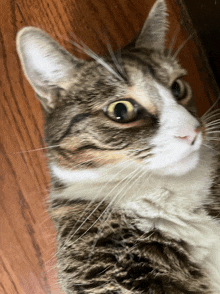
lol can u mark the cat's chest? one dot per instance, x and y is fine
(183, 222)
(172, 205)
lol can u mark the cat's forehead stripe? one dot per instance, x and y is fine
(143, 99)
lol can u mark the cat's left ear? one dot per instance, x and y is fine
(152, 35)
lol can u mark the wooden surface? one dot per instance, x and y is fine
(26, 232)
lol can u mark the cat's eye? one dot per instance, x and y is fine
(122, 111)
(180, 89)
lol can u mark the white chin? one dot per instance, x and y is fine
(181, 167)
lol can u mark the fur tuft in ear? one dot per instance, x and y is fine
(153, 33)
(46, 64)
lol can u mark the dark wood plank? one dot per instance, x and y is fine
(26, 233)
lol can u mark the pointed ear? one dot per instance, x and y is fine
(46, 64)
(152, 35)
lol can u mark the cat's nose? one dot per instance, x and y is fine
(188, 135)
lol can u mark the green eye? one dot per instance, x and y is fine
(180, 90)
(121, 111)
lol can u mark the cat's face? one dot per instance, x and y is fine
(108, 112)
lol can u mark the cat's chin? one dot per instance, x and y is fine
(181, 167)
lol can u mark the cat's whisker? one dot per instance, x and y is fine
(211, 115)
(101, 213)
(52, 267)
(51, 263)
(149, 175)
(215, 122)
(121, 63)
(208, 147)
(213, 132)
(55, 285)
(94, 56)
(115, 61)
(213, 139)
(210, 139)
(97, 194)
(138, 240)
(182, 45)
(105, 208)
(212, 119)
(207, 112)
(215, 128)
(43, 221)
(213, 111)
(173, 41)
(70, 235)
(125, 183)
(39, 149)
(108, 212)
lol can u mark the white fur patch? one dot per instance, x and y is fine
(171, 153)
(74, 176)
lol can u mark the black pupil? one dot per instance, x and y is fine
(120, 111)
(176, 89)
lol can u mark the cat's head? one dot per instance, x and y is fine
(111, 110)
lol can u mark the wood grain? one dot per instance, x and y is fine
(26, 233)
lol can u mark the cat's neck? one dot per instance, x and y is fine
(130, 182)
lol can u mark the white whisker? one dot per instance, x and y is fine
(125, 182)
(182, 45)
(208, 147)
(94, 56)
(138, 240)
(213, 139)
(116, 63)
(96, 196)
(102, 212)
(173, 41)
(217, 127)
(38, 149)
(215, 122)
(213, 132)
(211, 115)
(215, 103)
(142, 172)
(107, 211)
(70, 235)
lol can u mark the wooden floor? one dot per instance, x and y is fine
(26, 232)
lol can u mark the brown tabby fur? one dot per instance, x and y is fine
(120, 259)
(100, 249)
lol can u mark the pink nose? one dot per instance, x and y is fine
(188, 135)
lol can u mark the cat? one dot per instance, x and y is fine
(135, 194)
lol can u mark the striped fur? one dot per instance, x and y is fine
(121, 258)
(135, 202)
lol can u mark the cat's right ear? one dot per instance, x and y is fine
(46, 64)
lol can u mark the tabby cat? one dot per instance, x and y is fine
(135, 194)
